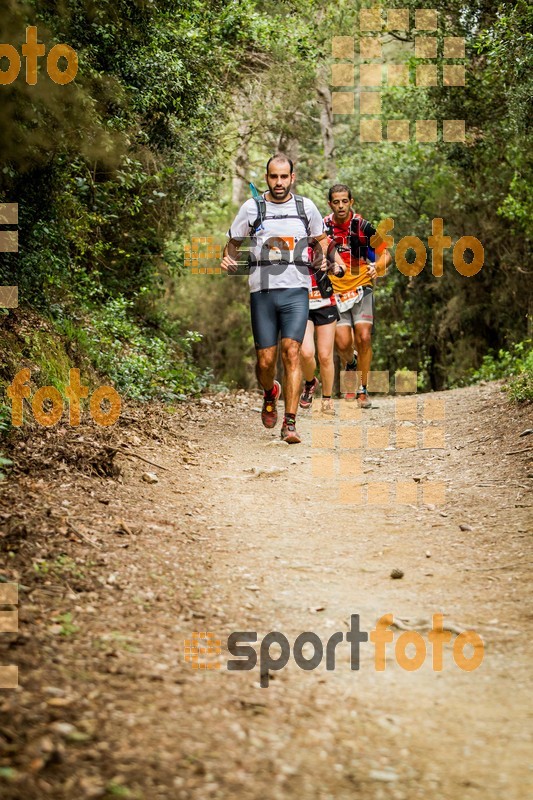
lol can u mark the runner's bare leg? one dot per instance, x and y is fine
(292, 374)
(363, 345)
(344, 342)
(265, 368)
(325, 338)
(307, 353)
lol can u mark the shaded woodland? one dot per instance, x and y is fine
(176, 106)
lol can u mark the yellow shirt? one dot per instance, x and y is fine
(356, 268)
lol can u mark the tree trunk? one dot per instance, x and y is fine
(326, 128)
(289, 145)
(240, 190)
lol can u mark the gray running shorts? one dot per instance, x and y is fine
(363, 311)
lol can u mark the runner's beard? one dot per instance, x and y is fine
(280, 194)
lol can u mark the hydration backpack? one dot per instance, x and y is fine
(261, 214)
(360, 232)
(322, 280)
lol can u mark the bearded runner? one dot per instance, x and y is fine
(281, 227)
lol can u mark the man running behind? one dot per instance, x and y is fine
(279, 297)
(355, 297)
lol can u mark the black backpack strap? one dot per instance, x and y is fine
(300, 210)
(360, 232)
(261, 214)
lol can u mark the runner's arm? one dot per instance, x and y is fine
(383, 258)
(381, 264)
(237, 233)
(317, 235)
(229, 261)
(338, 267)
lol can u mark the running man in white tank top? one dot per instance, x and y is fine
(281, 235)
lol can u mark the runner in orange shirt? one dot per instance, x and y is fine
(355, 297)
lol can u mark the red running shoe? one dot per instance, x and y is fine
(362, 399)
(289, 433)
(306, 398)
(269, 412)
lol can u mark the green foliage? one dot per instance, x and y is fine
(218, 306)
(521, 388)
(506, 363)
(119, 790)
(439, 326)
(142, 363)
(4, 462)
(515, 366)
(62, 565)
(5, 419)
(443, 326)
(67, 626)
(114, 172)
(106, 170)
(45, 351)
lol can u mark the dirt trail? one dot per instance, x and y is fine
(223, 543)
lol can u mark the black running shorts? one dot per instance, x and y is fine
(278, 311)
(323, 316)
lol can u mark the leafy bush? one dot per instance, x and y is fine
(142, 363)
(521, 388)
(515, 364)
(107, 173)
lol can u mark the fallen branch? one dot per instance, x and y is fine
(142, 458)
(516, 452)
(504, 485)
(499, 566)
(83, 536)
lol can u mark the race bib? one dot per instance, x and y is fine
(347, 300)
(316, 300)
(281, 248)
